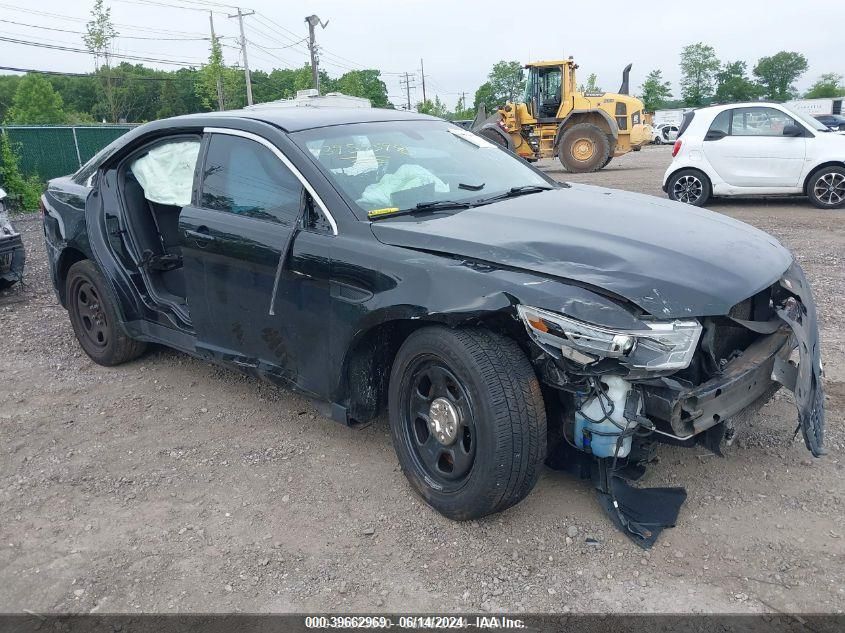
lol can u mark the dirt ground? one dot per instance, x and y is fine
(169, 484)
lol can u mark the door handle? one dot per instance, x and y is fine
(201, 234)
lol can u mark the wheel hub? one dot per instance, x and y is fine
(443, 420)
(582, 149)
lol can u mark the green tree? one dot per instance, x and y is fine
(779, 72)
(827, 86)
(36, 102)
(698, 68)
(99, 36)
(364, 83)
(12, 180)
(462, 111)
(484, 96)
(434, 108)
(655, 91)
(733, 84)
(231, 82)
(591, 85)
(507, 81)
(8, 87)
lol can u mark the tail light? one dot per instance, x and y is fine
(676, 148)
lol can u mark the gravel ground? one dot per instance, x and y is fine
(169, 484)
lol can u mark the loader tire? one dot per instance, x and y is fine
(583, 148)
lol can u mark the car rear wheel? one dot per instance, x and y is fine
(467, 420)
(826, 188)
(689, 186)
(94, 318)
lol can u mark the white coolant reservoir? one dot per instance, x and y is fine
(600, 438)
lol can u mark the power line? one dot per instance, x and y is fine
(93, 76)
(121, 37)
(59, 16)
(87, 52)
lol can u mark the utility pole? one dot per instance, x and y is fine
(406, 83)
(422, 75)
(213, 46)
(240, 15)
(313, 21)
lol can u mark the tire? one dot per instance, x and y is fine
(94, 317)
(493, 433)
(658, 140)
(826, 188)
(583, 148)
(689, 186)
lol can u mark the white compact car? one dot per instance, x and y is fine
(751, 149)
(665, 133)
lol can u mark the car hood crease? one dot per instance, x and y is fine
(671, 260)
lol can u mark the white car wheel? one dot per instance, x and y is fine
(828, 188)
(689, 186)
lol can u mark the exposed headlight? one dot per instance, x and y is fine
(664, 345)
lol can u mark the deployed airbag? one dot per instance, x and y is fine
(166, 172)
(380, 194)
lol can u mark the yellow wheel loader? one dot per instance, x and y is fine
(584, 130)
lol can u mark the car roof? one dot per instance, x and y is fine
(742, 104)
(297, 118)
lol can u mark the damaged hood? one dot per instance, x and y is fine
(670, 259)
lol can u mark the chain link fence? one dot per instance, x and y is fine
(57, 150)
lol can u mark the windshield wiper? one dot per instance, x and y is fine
(423, 207)
(513, 192)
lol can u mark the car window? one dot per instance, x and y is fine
(244, 177)
(722, 123)
(759, 122)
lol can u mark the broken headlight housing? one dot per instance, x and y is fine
(665, 345)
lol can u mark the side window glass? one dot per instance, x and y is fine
(759, 122)
(721, 124)
(244, 177)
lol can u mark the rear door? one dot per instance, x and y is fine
(747, 148)
(256, 276)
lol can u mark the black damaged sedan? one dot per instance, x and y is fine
(371, 258)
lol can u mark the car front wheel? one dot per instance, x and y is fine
(467, 420)
(689, 186)
(826, 188)
(94, 317)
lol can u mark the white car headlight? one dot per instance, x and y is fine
(664, 345)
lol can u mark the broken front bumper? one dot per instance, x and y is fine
(750, 381)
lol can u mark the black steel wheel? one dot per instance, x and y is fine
(826, 188)
(439, 421)
(689, 186)
(467, 420)
(94, 318)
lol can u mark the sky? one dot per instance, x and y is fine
(458, 41)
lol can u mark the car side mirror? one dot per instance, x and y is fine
(793, 130)
(715, 135)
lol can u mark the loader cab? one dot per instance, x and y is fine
(545, 89)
